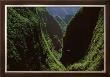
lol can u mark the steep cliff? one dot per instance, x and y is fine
(34, 40)
(79, 34)
(31, 38)
(94, 57)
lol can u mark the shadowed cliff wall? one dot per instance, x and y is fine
(78, 35)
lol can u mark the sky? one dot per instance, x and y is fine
(62, 11)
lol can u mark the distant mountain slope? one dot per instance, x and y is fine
(63, 15)
(61, 22)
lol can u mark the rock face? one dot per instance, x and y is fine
(78, 35)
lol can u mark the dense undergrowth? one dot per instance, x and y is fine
(30, 47)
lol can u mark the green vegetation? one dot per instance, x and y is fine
(95, 55)
(30, 46)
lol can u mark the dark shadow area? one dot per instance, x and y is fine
(78, 35)
(54, 30)
(28, 53)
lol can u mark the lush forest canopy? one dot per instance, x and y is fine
(39, 41)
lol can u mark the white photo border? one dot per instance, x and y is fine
(104, 71)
